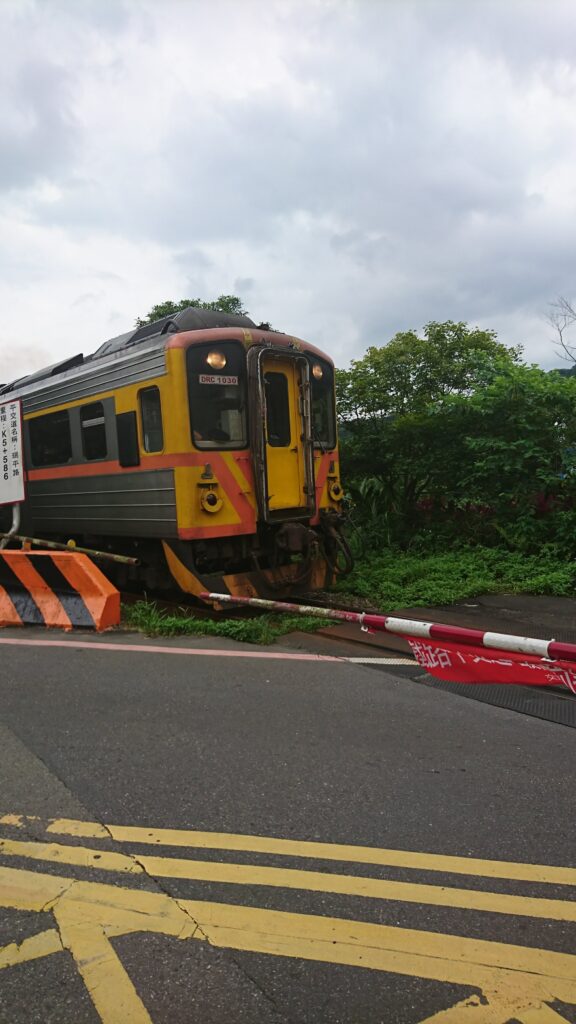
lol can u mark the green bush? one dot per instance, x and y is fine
(395, 579)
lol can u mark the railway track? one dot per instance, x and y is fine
(382, 651)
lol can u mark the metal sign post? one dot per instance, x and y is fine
(12, 489)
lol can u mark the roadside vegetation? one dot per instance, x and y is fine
(459, 461)
(153, 620)
(450, 439)
(400, 579)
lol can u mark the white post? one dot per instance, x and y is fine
(14, 528)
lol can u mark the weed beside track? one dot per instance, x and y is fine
(154, 620)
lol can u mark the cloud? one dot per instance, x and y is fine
(38, 130)
(351, 168)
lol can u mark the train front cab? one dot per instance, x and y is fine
(258, 511)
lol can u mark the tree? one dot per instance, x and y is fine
(450, 436)
(224, 303)
(411, 373)
(522, 436)
(484, 451)
(562, 317)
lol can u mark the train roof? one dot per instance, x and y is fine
(190, 319)
(135, 356)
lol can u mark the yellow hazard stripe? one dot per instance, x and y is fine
(513, 977)
(288, 878)
(449, 864)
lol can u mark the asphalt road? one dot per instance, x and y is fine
(119, 907)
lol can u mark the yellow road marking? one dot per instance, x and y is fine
(373, 888)
(108, 983)
(472, 1011)
(82, 829)
(39, 945)
(78, 855)
(288, 878)
(16, 820)
(515, 981)
(449, 864)
(25, 896)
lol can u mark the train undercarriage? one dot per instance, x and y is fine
(285, 559)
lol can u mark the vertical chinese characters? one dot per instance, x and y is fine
(11, 462)
(5, 443)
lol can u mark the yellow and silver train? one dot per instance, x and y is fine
(199, 444)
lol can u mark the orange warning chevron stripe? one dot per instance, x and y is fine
(39, 592)
(8, 614)
(49, 588)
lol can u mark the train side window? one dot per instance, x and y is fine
(50, 439)
(277, 410)
(93, 428)
(151, 418)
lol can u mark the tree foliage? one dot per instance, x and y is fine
(224, 303)
(451, 437)
(410, 373)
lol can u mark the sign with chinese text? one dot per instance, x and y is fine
(462, 663)
(11, 457)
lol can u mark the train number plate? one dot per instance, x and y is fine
(216, 378)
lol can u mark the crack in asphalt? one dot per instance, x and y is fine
(51, 905)
(227, 954)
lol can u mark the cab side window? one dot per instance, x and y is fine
(151, 419)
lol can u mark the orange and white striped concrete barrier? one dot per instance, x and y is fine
(55, 588)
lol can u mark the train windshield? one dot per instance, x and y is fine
(323, 413)
(217, 394)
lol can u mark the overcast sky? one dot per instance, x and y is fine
(350, 168)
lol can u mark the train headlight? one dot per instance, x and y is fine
(317, 371)
(217, 360)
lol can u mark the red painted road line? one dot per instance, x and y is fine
(150, 649)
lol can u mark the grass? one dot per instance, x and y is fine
(265, 629)
(395, 580)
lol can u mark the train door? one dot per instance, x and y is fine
(287, 448)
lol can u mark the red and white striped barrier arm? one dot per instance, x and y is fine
(452, 653)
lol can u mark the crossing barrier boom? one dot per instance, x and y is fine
(452, 653)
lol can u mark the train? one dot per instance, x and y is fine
(200, 446)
